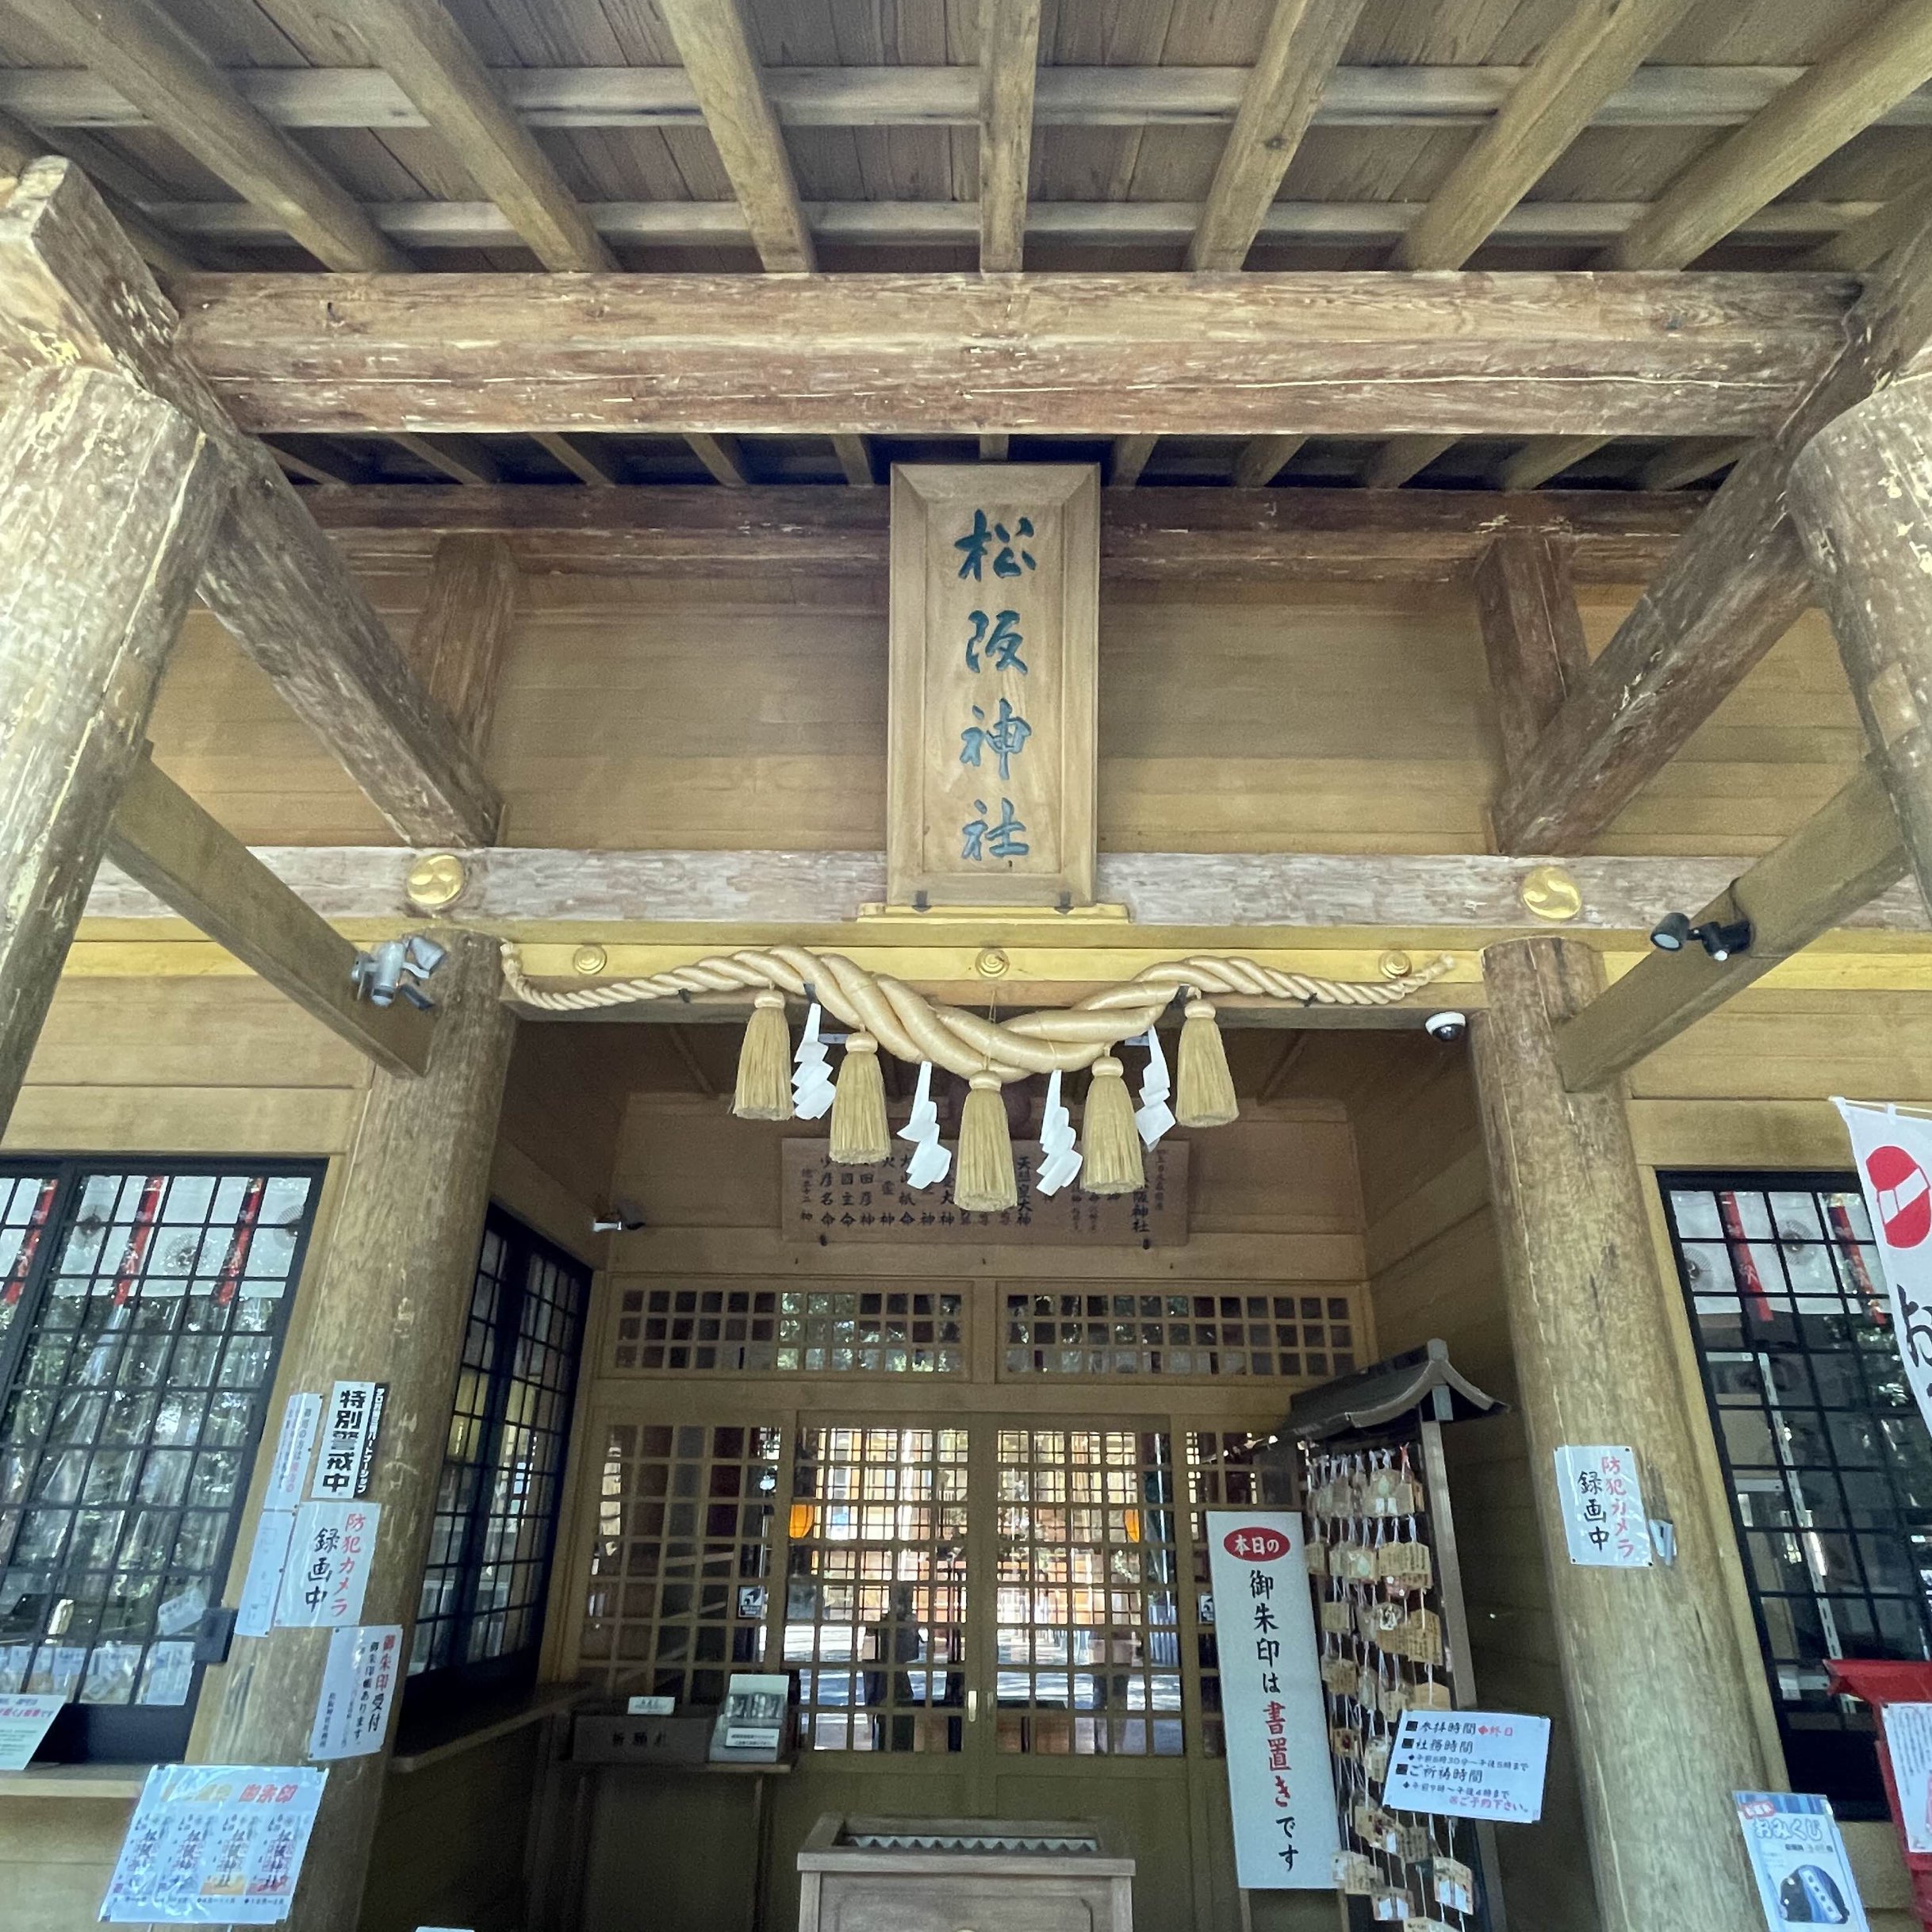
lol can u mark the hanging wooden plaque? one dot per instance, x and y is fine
(995, 599)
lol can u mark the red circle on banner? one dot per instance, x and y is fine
(1257, 1544)
(1903, 1194)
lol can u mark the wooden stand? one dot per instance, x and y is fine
(1656, 1683)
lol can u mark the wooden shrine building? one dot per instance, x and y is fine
(582, 580)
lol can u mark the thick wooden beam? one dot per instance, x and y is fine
(1315, 353)
(1009, 61)
(461, 632)
(423, 50)
(388, 1300)
(715, 47)
(1592, 54)
(1594, 1332)
(1304, 41)
(1845, 855)
(1533, 636)
(1418, 96)
(135, 46)
(1812, 119)
(165, 842)
(1460, 899)
(73, 291)
(1417, 536)
(108, 500)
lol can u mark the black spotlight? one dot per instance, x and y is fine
(1723, 939)
(1671, 933)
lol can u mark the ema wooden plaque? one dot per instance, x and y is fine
(822, 1202)
(995, 617)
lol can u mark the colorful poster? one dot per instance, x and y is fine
(358, 1685)
(1798, 1857)
(214, 1845)
(1908, 1742)
(1279, 1783)
(1894, 1151)
(353, 1416)
(1469, 1764)
(24, 1722)
(327, 1568)
(1604, 1523)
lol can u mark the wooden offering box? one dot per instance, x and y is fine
(963, 1875)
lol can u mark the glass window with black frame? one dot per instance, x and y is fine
(480, 1620)
(142, 1309)
(1828, 1464)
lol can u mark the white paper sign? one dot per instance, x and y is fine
(1894, 1153)
(300, 1419)
(1604, 1521)
(24, 1722)
(1798, 1858)
(358, 1685)
(214, 1845)
(327, 1568)
(1284, 1834)
(350, 1423)
(1469, 1764)
(651, 1706)
(1908, 1742)
(268, 1556)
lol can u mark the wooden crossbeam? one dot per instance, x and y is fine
(72, 291)
(1304, 41)
(1009, 62)
(1418, 96)
(134, 46)
(164, 842)
(1312, 354)
(1812, 119)
(1845, 855)
(1416, 536)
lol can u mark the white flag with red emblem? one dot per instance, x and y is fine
(1894, 1153)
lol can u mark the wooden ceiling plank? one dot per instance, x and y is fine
(422, 48)
(1691, 460)
(588, 469)
(1402, 458)
(1303, 43)
(148, 58)
(1261, 460)
(716, 50)
(76, 293)
(20, 144)
(1592, 54)
(1812, 119)
(1009, 60)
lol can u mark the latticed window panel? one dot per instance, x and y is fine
(1221, 1475)
(1829, 1466)
(138, 1348)
(1089, 1644)
(681, 1565)
(1175, 1332)
(752, 1331)
(499, 1497)
(875, 1623)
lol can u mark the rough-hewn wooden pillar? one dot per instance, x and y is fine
(108, 500)
(388, 1302)
(1658, 1688)
(1861, 494)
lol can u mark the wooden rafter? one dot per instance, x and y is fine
(587, 467)
(1403, 457)
(147, 59)
(1261, 460)
(327, 473)
(461, 458)
(1316, 354)
(1008, 60)
(73, 291)
(1691, 460)
(1544, 456)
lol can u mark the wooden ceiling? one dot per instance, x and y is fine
(853, 135)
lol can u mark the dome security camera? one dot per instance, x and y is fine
(1445, 1025)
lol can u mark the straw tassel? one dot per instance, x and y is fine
(765, 1063)
(1204, 1094)
(983, 1182)
(1109, 1141)
(859, 1135)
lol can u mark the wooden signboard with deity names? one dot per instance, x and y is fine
(823, 1203)
(995, 598)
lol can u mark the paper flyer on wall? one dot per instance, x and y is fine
(327, 1568)
(24, 1720)
(213, 1844)
(1798, 1857)
(358, 1685)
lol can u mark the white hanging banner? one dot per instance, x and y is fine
(1279, 1784)
(1894, 1153)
